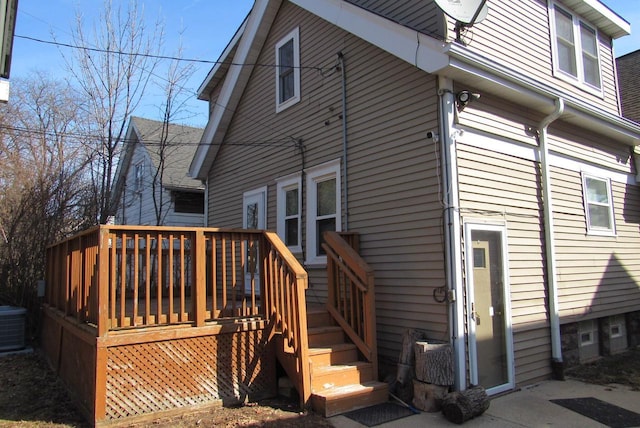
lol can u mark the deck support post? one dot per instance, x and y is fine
(199, 288)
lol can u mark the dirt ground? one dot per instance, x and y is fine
(32, 397)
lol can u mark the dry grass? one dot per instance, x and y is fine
(622, 369)
(31, 396)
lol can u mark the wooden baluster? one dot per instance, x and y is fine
(199, 297)
(103, 282)
(159, 278)
(170, 273)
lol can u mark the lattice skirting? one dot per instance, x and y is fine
(160, 376)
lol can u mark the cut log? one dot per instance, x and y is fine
(459, 407)
(434, 363)
(428, 397)
(406, 365)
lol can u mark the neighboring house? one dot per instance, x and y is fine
(629, 83)
(151, 182)
(507, 225)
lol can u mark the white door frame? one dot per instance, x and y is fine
(470, 227)
(259, 197)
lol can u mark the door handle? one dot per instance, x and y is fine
(474, 314)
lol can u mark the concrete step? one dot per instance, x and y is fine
(334, 401)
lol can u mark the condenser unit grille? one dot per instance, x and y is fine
(12, 328)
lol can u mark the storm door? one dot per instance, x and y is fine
(254, 217)
(488, 308)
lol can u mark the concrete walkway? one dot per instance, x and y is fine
(528, 407)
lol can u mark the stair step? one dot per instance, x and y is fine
(318, 317)
(327, 377)
(339, 353)
(323, 336)
(335, 401)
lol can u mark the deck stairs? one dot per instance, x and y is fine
(341, 381)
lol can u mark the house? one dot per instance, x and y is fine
(487, 170)
(628, 67)
(151, 183)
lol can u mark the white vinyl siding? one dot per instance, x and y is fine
(288, 70)
(576, 54)
(598, 205)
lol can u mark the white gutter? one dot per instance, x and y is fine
(452, 229)
(554, 316)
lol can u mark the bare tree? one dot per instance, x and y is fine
(113, 73)
(173, 106)
(43, 157)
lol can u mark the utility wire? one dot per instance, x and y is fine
(154, 56)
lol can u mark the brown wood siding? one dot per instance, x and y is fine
(597, 275)
(393, 184)
(516, 34)
(498, 187)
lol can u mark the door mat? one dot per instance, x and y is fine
(379, 414)
(601, 411)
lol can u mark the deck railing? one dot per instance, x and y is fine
(128, 277)
(351, 293)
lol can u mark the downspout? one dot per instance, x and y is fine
(452, 229)
(554, 316)
(344, 142)
(206, 203)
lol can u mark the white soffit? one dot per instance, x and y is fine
(600, 15)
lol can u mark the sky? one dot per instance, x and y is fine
(205, 27)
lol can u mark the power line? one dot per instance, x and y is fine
(153, 142)
(154, 56)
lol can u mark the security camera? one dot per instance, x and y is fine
(432, 136)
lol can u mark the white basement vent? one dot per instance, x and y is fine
(12, 328)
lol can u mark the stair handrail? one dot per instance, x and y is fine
(351, 295)
(285, 285)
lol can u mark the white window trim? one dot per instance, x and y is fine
(261, 192)
(283, 184)
(138, 176)
(594, 230)
(563, 75)
(590, 328)
(295, 36)
(314, 175)
(620, 332)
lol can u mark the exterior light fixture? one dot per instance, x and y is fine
(465, 97)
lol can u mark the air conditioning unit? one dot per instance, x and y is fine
(12, 328)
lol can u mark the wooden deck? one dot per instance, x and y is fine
(142, 321)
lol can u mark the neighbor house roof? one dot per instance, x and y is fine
(374, 22)
(181, 143)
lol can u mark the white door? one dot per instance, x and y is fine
(488, 308)
(254, 216)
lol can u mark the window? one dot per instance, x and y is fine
(323, 208)
(289, 211)
(288, 71)
(575, 49)
(587, 331)
(139, 177)
(188, 202)
(598, 205)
